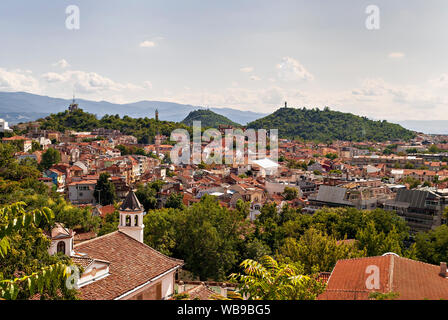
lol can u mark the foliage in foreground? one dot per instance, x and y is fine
(268, 279)
(46, 280)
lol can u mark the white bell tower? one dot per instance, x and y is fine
(131, 217)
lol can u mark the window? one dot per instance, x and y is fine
(136, 221)
(61, 247)
(128, 221)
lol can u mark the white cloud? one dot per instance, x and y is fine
(255, 78)
(61, 64)
(440, 82)
(18, 80)
(147, 44)
(292, 70)
(53, 77)
(147, 84)
(91, 82)
(247, 69)
(396, 55)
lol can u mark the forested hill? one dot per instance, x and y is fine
(144, 129)
(208, 118)
(327, 125)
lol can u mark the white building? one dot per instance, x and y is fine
(267, 166)
(4, 126)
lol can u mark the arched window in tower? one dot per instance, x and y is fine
(61, 247)
(136, 221)
(128, 221)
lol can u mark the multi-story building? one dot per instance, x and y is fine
(422, 209)
(82, 192)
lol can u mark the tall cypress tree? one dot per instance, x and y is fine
(105, 190)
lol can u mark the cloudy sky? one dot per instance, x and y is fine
(244, 54)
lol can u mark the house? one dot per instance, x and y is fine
(267, 166)
(57, 177)
(118, 265)
(329, 196)
(82, 192)
(23, 143)
(103, 211)
(357, 279)
(422, 209)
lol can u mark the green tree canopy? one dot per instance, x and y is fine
(105, 190)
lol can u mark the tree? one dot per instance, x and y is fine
(175, 201)
(110, 223)
(331, 156)
(147, 194)
(35, 146)
(377, 243)
(50, 157)
(24, 256)
(316, 250)
(432, 246)
(159, 230)
(208, 236)
(270, 280)
(104, 192)
(290, 193)
(255, 249)
(243, 207)
(11, 169)
(74, 217)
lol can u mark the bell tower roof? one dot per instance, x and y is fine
(131, 203)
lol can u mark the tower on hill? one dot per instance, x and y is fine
(73, 106)
(157, 137)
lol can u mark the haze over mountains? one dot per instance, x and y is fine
(18, 107)
(22, 107)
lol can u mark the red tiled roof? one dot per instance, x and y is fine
(201, 292)
(413, 280)
(105, 210)
(132, 264)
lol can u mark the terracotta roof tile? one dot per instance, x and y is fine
(413, 280)
(132, 264)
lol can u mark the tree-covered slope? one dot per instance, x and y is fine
(208, 118)
(327, 125)
(144, 129)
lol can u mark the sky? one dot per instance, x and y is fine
(246, 54)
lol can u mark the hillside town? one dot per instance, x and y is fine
(409, 178)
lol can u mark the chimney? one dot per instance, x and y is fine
(224, 290)
(180, 287)
(443, 270)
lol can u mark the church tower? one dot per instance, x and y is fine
(131, 217)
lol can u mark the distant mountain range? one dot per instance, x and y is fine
(18, 107)
(426, 126)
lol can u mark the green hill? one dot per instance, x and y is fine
(327, 125)
(208, 118)
(144, 129)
